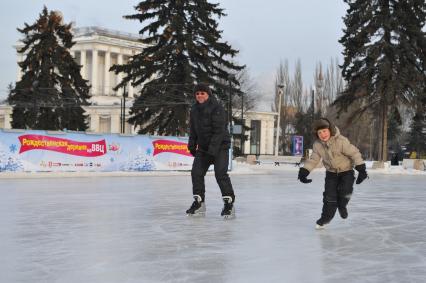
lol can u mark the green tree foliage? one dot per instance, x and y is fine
(184, 47)
(384, 57)
(51, 92)
(417, 134)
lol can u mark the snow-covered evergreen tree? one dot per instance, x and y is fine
(51, 92)
(185, 47)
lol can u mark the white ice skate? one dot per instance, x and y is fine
(319, 227)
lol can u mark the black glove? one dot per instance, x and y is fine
(192, 150)
(303, 173)
(362, 173)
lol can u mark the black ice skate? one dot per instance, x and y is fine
(198, 208)
(228, 210)
(343, 212)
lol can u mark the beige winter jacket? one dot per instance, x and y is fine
(337, 154)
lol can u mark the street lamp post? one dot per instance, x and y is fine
(242, 124)
(277, 136)
(123, 111)
(231, 131)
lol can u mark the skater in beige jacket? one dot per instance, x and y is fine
(339, 157)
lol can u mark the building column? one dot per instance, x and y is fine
(270, 133)
(263, 136)
(8, 120)
(119, 75)
(94, 122)
(83, 64)
(107, 83)
(130, 90)
(115, 123)
(95, 86)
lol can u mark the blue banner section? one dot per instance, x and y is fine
(60, 152)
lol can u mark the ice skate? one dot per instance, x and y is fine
(319, 227)
(228, 211)
(198, 207)
(320, 224)
(343, 212)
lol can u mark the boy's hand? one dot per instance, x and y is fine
(362, 173)
(303, 173)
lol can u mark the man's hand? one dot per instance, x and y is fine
(362, 173)
(303, 173)
(192, 150)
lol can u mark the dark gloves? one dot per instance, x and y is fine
(362, 173)
(192, 150)
(303, 173)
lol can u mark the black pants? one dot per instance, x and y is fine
(201, 164)
(337, 193)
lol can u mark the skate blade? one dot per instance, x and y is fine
(319, 227)
(228, 217)
(196, 214)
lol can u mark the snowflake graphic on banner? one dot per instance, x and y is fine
(13, 148)
(141, 162)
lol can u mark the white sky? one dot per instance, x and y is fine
(265, 32)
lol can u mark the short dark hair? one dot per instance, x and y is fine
(202, 87)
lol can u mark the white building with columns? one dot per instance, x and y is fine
(260, 133)
(96, 50)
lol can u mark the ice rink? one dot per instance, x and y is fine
(134, 229)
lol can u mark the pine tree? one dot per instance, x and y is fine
(384, 57)
(51, 92)
(184, 47)
(417, 134)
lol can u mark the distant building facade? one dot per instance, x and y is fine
(259, 135)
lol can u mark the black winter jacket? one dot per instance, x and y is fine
(208, 127)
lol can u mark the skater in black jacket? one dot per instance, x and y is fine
(209, 143)
(339, 157)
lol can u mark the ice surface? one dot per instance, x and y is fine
(134, 229)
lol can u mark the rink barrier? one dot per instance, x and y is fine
(70, 151)
(417, 164)
(275, 160)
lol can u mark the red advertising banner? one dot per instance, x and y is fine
(161, 146)
(86, 149)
